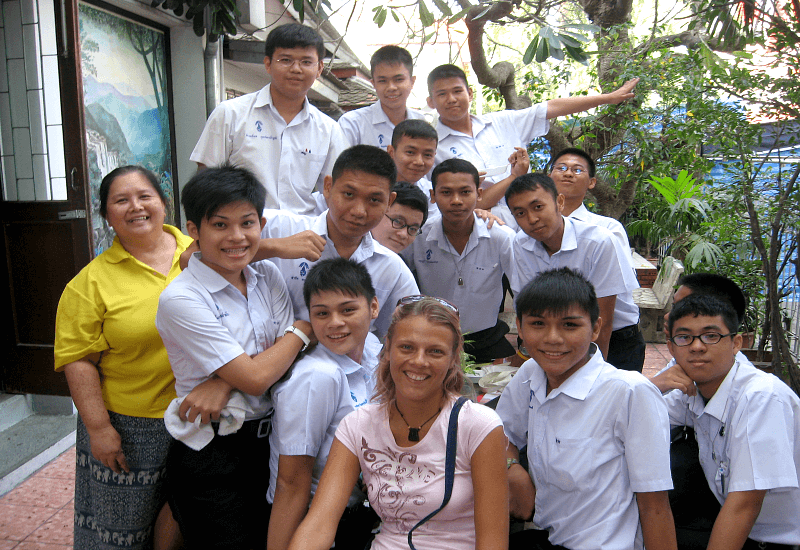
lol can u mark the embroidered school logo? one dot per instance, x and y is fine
(530, 400)
(380, 139)
(428, 254)
(220, 312)
(303, 269)
(259, 125)
(454, 150)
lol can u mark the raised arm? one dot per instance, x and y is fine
(83, 379)
(570, 105)
(490, 493)
(305, 244)
(658, 526)
(736, 520)
(520, 164)
(318, 529)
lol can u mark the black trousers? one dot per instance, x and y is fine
(626, 348)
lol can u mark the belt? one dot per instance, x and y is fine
(751, 544)
(259, 427)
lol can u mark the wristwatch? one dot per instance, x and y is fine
(300, 334)
(510, 462)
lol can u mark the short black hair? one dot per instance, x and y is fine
(532, 182)
(556, 291)
(445, 71)
(718, 286)
(414, 128)
(577, 152)
(705, 305)
(338, 275)
(392, 55)
(105, 185)
(367, 159)
(455, 166)
(294, 35)
(408, 194)
(213, 188)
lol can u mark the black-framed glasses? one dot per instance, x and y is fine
(683, 340)
(399, 223)
(563, 168)
(419, 297)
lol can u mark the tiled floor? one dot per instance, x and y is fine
(37, 515)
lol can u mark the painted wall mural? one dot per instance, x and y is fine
(126, 102)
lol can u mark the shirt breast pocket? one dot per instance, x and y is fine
(306, 169)
(569, 463)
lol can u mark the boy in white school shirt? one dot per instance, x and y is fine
(597, 438)
(460, 259)
(548, 240)
(358, 193)
(223, 319)
(573, 172)
(289, 144)
(325, 384)
(747, 424)
(497, 140)
(392, 70)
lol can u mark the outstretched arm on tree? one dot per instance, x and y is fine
(576, 104)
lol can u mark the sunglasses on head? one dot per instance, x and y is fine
(420, 297)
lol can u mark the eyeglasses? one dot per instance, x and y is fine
(683, 340)
(419, 297)
(288, 62)
(399, 223)
(563, 168)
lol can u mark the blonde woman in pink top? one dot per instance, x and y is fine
(398, 443)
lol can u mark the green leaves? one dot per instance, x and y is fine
(558, 42)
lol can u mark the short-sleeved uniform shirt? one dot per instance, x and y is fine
(322, 388)
(593, 442)
(487, 255)
(110, 307)
(748, 436)
(206, 322)
(290, 160)
(370, 125)
(390, 276)
(590, 249)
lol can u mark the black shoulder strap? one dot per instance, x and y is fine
(449, 465)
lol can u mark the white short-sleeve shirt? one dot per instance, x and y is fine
(390, 275)
(205, 322)
(290, 160)
(371, 126)
(323, 388)
(487, 255)
(590, 249)
(593, 442)
(749, 439)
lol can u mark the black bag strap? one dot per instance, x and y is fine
(449, 465)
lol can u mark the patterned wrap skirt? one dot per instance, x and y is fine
(119, 510)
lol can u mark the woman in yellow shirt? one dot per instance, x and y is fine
(117, 368)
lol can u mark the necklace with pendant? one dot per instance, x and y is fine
(413, 433)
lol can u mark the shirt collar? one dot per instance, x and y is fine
(264, 99)
(116, 253)
(581, 213)
(444, 130)
(366, 247)
(436, 233)
(369, 358)
(213, 281)
(717, 404)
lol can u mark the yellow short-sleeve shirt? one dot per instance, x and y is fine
(110, 307)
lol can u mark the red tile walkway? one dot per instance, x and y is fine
(37, 515)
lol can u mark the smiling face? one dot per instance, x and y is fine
(397, 240)
(559, 343)
(134, 208)
(229, 238)
(357, 202)
(293, 71)
(451, 97)
(456, 195)
(413, 157)
(539, 216)
(420, 356)
(571, 185)
(341, 321)
(706, 364)
(393, 84)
